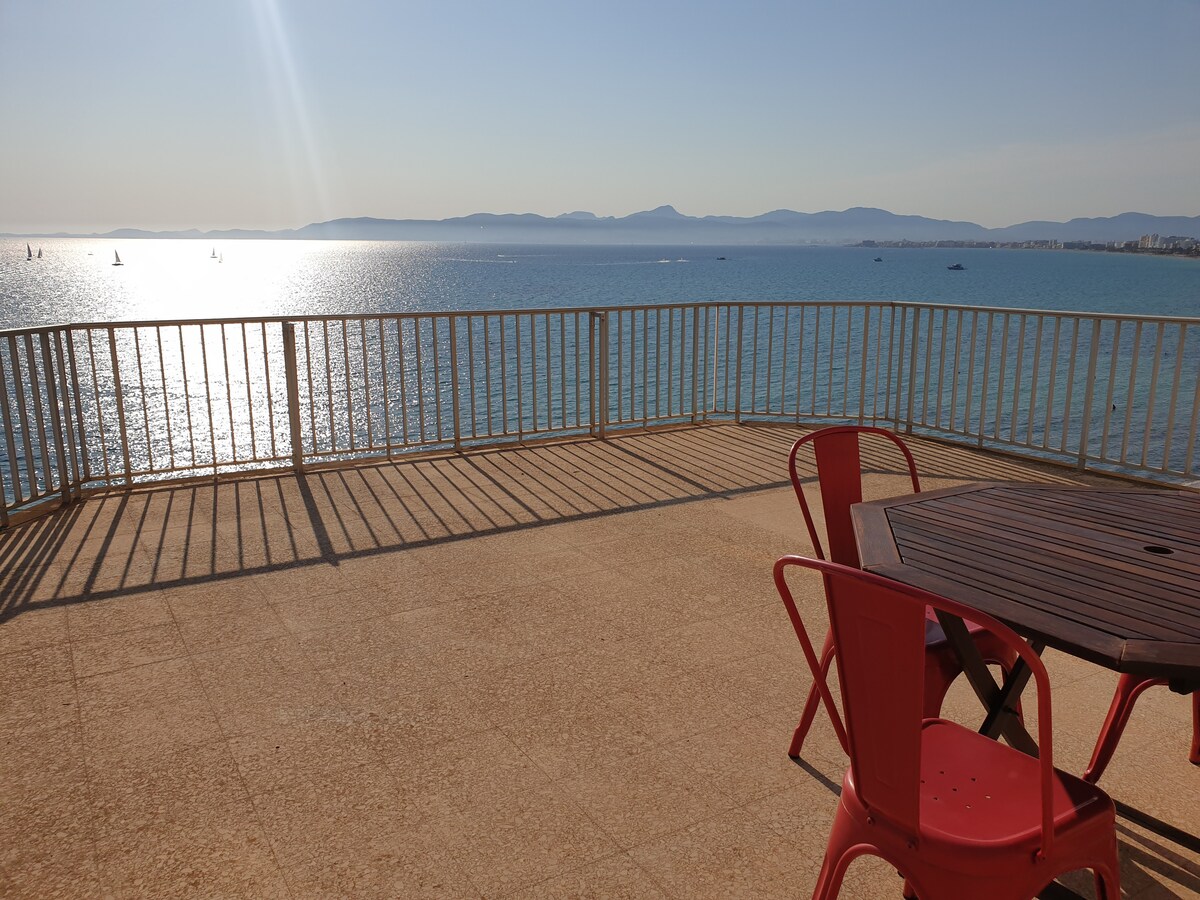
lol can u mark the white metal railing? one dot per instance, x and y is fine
(102, 405)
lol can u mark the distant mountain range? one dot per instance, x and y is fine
(665, 225)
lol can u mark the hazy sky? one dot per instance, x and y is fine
(276, 113)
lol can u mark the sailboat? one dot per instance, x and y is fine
(28, 253)
(214, 253)
(117, 257)
(39, 253)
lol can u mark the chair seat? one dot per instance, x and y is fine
(983, 791)
(980, 798)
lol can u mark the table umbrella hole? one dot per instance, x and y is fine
(1161, 551)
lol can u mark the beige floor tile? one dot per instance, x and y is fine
(59, 863)
(194, 847)
(734, 855)
(34, 762)
(276, 757)
(273, 696)
(44, 665)
(112, 653)
(126, 786)
(32, 707)
(637, 798)
(212, 597)
(29, 627)
(149, 730)
(411, 709)
(97, 618)
(172, 680)
(307, 611)
(535, 689)
(569, 742)
(672, 708)
(744, 760)
(252, 622)
(515, 831)
(350, 833)
(614, 878)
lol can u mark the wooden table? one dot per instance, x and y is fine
(1108, 575)
(1111, 575)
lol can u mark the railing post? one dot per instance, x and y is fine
(56, 420)
(77, 433)
(603, 373)
(292, 379)
(896, 348)
(695, 363)
(737, 384)
(912, 365)
(862, 378)
(1085, 425)
(65, 394)
(593, 349)
(454, 399)
(120, 400)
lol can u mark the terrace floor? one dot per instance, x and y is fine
(551, 671)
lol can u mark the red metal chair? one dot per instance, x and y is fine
(839, 472)
(1129, 688)
(959, 815)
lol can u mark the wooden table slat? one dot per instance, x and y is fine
(1134, 597)
(1109, 622)
(1130, 535)
(1065, 565)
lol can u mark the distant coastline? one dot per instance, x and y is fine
(665, 225)
(1181, 250)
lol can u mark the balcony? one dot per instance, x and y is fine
(545, 670)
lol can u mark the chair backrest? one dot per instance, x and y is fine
(878, 628)
(839, 473)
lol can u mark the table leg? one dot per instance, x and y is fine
(1010, 693)
(990, 694)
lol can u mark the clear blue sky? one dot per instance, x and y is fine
(276, 113)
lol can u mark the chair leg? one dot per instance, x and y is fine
(1195, 756)
(1108, 875)
(813, 701)
(1128, 690)
(842, 850)
(1107, 886)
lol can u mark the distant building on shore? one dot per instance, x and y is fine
(1173, 245)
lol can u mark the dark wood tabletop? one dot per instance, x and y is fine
(1111, 575)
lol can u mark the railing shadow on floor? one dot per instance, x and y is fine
(153, 538)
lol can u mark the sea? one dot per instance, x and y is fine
(75, 281)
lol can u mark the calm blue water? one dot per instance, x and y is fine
(195, 394)
(75, 280)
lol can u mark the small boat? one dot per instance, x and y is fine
(879, 259)
(214, 254)
(957, 267)
(28, 253)
(117, 258)
(720, 257)
(39, 256)
(221, 258)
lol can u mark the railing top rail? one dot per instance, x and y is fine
(524, 311)
(432, 313)
(1059, 313)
